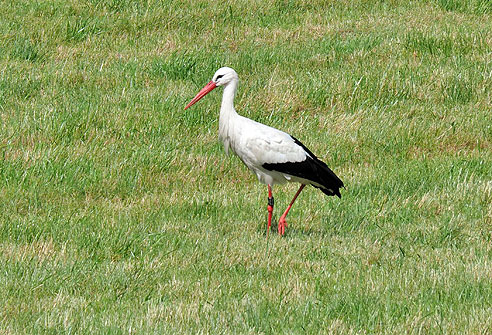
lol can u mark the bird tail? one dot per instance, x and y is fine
(329, 181)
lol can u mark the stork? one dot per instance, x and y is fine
(273, 155)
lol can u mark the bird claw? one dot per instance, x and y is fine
(282, 224)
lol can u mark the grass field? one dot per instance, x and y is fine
(121, 214)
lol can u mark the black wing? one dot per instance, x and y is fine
(311, 169)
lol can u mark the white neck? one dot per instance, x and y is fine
(227, 105)
(227, 113)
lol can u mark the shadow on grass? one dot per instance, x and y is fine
(291, 230)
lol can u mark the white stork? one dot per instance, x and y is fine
(273, 155)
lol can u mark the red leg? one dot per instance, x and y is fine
(282, 223)
(270, 208)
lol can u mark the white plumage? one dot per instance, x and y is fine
(273, 155)
(257, 144)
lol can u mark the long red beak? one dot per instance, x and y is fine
(203, 92)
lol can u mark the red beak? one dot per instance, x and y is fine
(203, 92)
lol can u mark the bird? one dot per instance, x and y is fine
(274, 156)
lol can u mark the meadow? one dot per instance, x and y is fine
(121, 214)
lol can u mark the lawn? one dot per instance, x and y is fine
(120, 213)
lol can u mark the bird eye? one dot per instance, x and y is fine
(219, 76)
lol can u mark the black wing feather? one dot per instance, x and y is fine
(311, 169)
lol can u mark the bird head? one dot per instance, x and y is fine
(222, 77)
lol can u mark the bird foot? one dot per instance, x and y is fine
(282, 224)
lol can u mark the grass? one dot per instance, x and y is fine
(121, 214)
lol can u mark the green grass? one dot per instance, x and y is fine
(121, 214)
